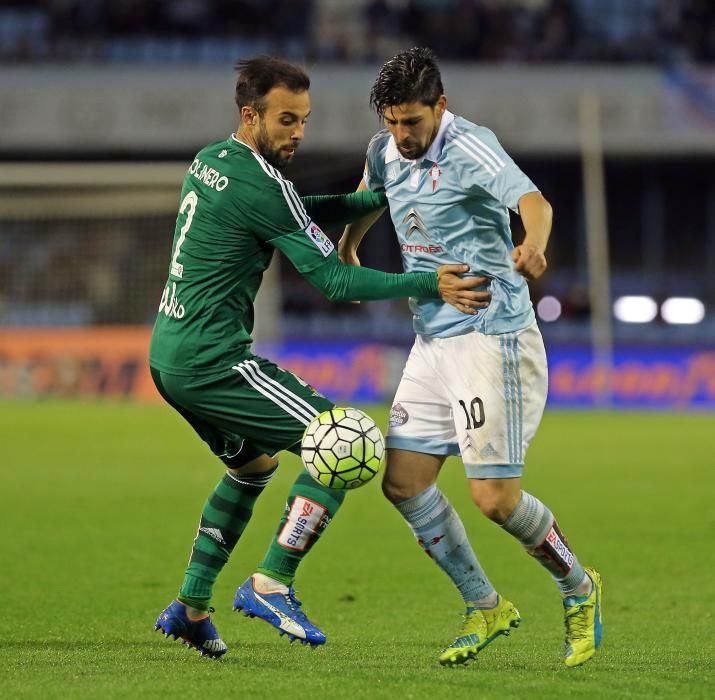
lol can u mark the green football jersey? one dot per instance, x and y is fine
(235, 210)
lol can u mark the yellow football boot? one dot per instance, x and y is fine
(480, 628)
(582, 618)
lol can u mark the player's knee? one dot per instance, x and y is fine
(392, 491)
(494, 505)
(396, 492)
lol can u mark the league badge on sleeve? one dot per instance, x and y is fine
(435, 173)
(321, 241)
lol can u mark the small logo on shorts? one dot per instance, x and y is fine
(398, 416)
(488, 451)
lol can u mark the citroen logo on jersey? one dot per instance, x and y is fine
(415, 224)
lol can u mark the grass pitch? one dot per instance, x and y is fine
(100, 504)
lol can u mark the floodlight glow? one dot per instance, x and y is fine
(682, 310)
(549, 309)
(635, 309)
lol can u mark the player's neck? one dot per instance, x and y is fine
(245, 137)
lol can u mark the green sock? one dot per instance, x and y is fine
(224, 518)
(309, 510)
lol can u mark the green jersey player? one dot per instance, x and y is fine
(236, 209)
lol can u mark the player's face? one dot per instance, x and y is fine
(414, 125)
(279, 131)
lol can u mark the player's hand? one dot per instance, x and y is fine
(347, 254)
(530, 261)
(459, 291)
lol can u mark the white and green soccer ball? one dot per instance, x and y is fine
(343, 448)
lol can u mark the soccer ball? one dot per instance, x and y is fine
(343, 448)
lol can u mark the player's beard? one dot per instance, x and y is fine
(419, 149)
(413, 154)
(277, 157)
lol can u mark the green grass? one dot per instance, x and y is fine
(100, 504)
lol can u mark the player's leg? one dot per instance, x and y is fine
(224, 517)
(531, 522)
(420, 436)
(269, 593)
(409, 484)
(507, 418)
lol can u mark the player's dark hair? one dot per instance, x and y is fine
(258, 76)
(410, 76)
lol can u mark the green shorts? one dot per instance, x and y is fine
(257, 408)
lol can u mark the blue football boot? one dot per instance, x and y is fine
(199, 634)
(282, 610)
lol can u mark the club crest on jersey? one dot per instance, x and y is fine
(321, 241)
(435, 172)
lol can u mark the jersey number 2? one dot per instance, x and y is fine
(188, 205)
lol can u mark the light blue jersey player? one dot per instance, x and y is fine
(453, 201)
(474, 385)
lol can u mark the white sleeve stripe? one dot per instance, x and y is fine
(298, 211)
(290, 191)
(296, 207)
(484, 148)
(458, 142)
(478, 149)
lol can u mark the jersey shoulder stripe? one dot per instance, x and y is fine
(378, 141)
(476, 148)
(291, 196)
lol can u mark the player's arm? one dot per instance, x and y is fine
(536, 215)
(355, 232)
(277, 216)
(333, 211)
(488, 167)
(341, 282)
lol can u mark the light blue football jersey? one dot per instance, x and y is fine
(451, 206)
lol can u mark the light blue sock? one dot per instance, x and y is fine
(441, 534)
(532, 523)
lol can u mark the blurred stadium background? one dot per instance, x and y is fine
(609, 106)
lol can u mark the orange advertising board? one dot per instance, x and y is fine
(65, 362)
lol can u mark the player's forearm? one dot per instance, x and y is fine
(341, 282)
(355, 232)
(536, 215)
(334, 211)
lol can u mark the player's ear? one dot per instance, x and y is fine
(248, 115)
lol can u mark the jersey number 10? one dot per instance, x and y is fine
(474, 419)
